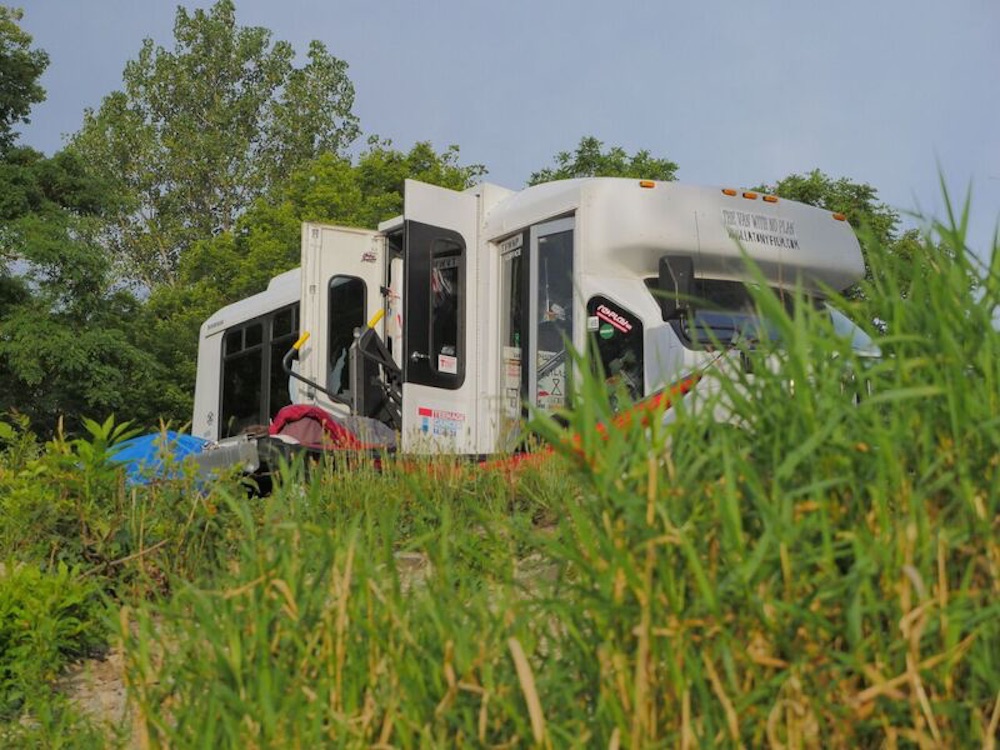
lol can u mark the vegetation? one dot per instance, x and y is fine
(197, 216)
(588, 160)
(824, 575)
(200, 132)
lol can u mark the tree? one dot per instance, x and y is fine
(202, 131)
(20, 69)
(65, 343)
(589, 161)
(65, 348)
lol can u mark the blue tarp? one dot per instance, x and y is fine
(156, 456)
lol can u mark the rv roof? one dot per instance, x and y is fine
(627, 225)
(283, 289)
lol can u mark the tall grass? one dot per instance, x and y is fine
(822, 572)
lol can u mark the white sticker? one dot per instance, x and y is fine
(447, 364)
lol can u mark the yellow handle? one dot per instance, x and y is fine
(302, 340)
(376, 318)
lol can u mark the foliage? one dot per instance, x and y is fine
(822, 574)
(64, 343)
(329, 189)
(588, 160)
(200, 132)
(22, 67)
(63, 503)
(46, 619)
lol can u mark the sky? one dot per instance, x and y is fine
(899, 94)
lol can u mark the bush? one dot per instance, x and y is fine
(46, 619)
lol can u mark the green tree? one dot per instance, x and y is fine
(65, 342)
(65, 346)
(588, 160)
(266, 241)
(20, 69)
(201, 131)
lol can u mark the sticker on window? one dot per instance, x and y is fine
(447, 364)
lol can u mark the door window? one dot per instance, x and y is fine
(551, 313)
(434, 298)
(347, 306)
(616, 339)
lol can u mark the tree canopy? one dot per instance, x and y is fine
(20, 69)
(588, 160)
(201, 131)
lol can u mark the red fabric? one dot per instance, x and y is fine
(314, 428)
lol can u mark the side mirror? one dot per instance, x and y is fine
(676, 275)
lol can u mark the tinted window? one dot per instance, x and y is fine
(434, 302)
(254, 384)
(445, 300)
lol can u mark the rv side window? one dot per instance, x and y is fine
(616, 335)
(242, 371)
(284, 331)
(445, 307)
(254, 385)
(347, 306)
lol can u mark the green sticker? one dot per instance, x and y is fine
(606, 331)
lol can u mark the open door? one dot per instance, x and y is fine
(343, 271)
(440, 319)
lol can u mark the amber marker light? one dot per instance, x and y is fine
(728, 191)
(647, 184)
(840, 217)
(750, 196)
(770, 199)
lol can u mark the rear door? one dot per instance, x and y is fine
(343, 271)
(440, 371)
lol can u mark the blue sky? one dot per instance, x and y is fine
(889, 92)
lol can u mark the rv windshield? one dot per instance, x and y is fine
(724, 313)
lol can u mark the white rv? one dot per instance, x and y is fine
(474, 295)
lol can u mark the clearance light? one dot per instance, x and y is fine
(840, 217)
(728, 191)
(750, 196)
(647, 184)
(770, 199)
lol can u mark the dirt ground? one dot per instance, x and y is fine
(96, 687)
